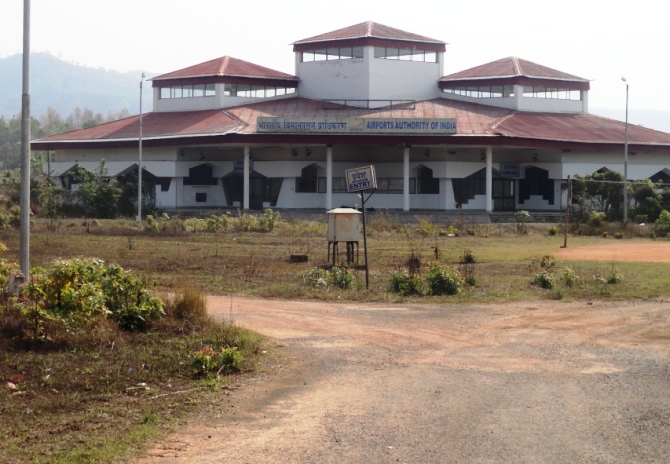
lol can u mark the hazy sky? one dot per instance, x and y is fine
(597, 40)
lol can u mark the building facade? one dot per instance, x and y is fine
(231, 134)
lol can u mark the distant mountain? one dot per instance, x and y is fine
(64, 86)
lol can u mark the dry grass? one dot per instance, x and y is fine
(86, 397)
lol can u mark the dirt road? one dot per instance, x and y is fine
(368, 383)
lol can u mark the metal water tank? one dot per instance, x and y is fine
(343, 225)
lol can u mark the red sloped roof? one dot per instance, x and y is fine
(581, 128)
(154, 125)
(473, 120)
(368, 29)
(512, 67)
(225, 66)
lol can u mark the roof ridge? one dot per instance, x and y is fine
(241, 122)
(516, 64)
(225, 61)
(368, 31)
(500, 120)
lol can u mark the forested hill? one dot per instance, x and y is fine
(64, 86)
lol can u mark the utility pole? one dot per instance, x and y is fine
(24, 247)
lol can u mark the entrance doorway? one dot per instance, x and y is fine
(503, 194)
(261, 189)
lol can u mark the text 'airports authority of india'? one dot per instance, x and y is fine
(306, 124)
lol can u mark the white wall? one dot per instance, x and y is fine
(390, 79)
(337, 79)
(369, 78)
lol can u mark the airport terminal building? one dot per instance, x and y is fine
(227, 133)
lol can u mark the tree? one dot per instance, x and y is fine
(98, 193)
(601, 191)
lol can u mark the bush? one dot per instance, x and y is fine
(73, 292)
(596, 218)
(614, 277)
(553, 231)
(662, 224)
(207, 361)
(569, 277)
(544, 279)
(337, 276)
(405, 284)
(269, 220)
(443, 280)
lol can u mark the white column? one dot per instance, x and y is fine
(489, 179)
(245, 189)
(405, 179)
(329, 177)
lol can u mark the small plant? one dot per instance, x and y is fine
(544, 280)
(204, 361)
(545, 263)
(340, 277)
(596, 218)
(569, 278)
(269, 220)
(208, 361)
(337, 276)
(468, 257)
(614, 277)
(443, 280)
(317, 277)
(522, 217)
(553, 231)
(405, 284)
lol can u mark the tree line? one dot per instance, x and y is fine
(50, 123)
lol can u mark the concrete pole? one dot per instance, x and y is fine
(25, 148)
(405, 178)
(245, 204)
(329, 177)
(489, 179)
(139, 166)
(625, 161)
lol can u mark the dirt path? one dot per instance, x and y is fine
(619, 250)
(532, 382)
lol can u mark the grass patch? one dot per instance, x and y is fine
(102, 392)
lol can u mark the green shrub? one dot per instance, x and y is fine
(596, 218)
(217, 223)
(337, 276)
(78, 290)
(614, 277)
(340, 277)
(569, 277)
(468, 257)
(662, 224)
(405, 284)
(208, 361)
(268, 221)
(544, 279)
(553, 231)
(443, 280)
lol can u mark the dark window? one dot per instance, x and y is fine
(427, 184)
(164, 183)
(201, 197)
(200, 175)
(307, 182)
(475, 184)
(536, 182)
